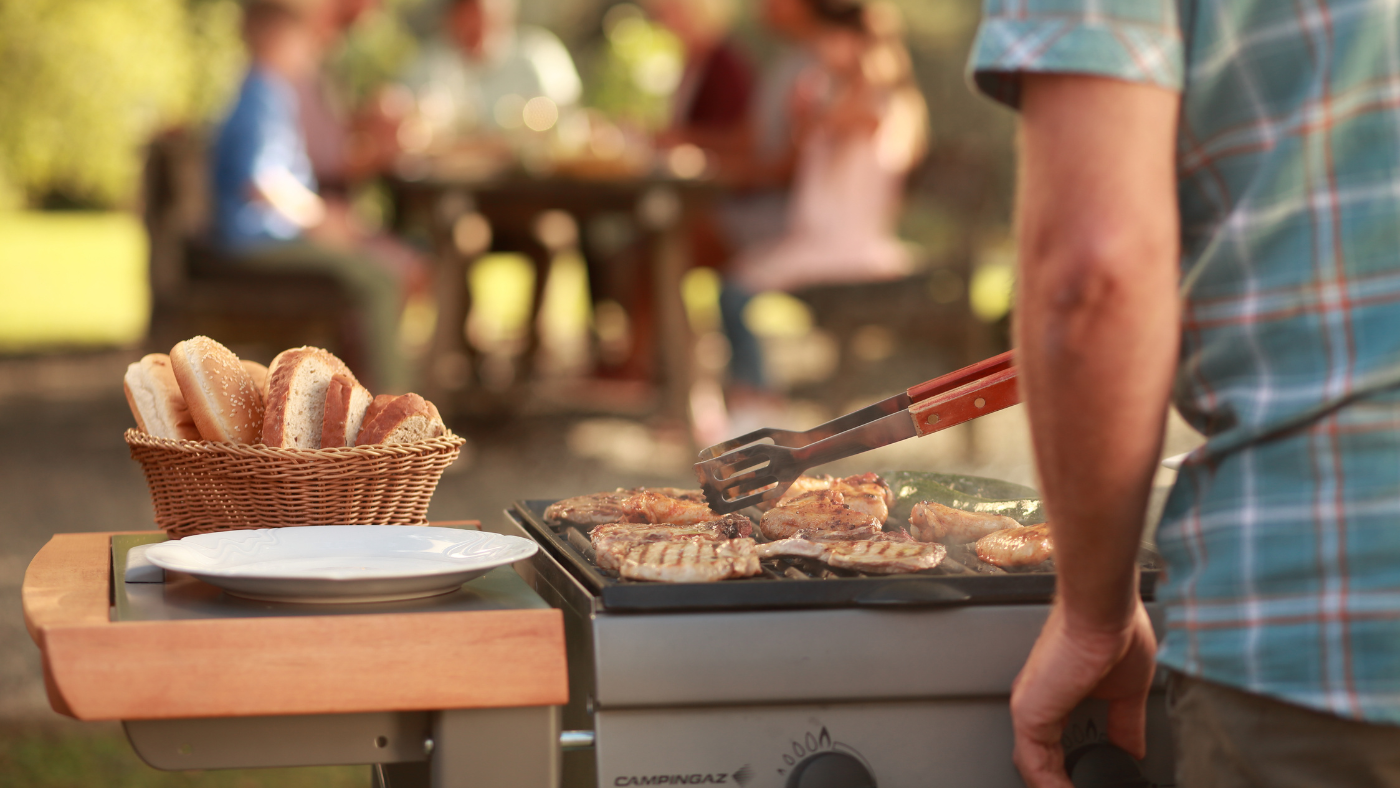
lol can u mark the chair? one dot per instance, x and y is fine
(196, 290)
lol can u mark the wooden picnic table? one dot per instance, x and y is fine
(513, 200)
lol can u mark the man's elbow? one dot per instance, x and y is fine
(1103, 280)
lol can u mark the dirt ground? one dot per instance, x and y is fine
(65, 468)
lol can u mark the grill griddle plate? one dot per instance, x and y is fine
(801, 583)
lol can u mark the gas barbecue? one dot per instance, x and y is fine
(807, 676)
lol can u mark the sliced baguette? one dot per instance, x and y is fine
(407, 418)
(220, 394)
(155, 399)
(296, 397)
(346, 403)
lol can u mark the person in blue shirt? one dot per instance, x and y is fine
(267, 211)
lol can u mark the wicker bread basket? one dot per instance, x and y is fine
(200, 487)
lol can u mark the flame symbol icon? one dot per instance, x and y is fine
(743, 776)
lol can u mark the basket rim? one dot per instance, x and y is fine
(448, 441)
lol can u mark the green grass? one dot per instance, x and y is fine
(71, 280)
(29, 759)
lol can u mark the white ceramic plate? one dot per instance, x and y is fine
(340, 563)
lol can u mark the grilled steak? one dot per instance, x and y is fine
(642, 505)
(934, 522)
(613, 541)
(884, 553)
(866, 493)
(1016, 547)
(690, 560)
(817, 510)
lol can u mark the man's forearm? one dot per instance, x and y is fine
(1097, 320)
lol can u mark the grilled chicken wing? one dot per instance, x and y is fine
(641, 505)
(934, 522)
(690, 560)
(866, 493)
(613, 541)
(885, 553)
(818, 510)
(1016, 547)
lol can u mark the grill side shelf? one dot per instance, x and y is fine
(792, 584)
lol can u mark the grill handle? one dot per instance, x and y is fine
(922, 591)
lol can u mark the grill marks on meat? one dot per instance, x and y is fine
(933, 522)
(866, 492)
(640, 505)
(885, 553)
(1017, 547)
(690, 560)
(612, 542)
(817, 510)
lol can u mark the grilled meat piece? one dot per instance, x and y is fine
(690, 560)
(613, 541)
(866, 492)
(818, 510)
(884, 554)
(1017, 547)
(641, 505)
(933, 522)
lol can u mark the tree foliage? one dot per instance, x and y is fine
(83, 83)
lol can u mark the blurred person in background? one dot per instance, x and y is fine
(711, 105)
(857, 124)
(477, 78)
(472, 88)
(860, 125)
(268, 213)
(342, 152)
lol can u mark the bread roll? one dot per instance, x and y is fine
(259, 375)
(346, 403)
(221, 396)
(407, 418)
(155, 399)
(296, 397)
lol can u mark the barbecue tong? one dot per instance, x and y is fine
(761, 465)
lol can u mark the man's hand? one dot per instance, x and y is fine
(1068, 664)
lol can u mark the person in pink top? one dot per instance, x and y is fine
(860, 126)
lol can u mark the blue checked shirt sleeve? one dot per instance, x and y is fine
(1133, 40)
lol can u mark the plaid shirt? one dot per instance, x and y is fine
(1282, 535)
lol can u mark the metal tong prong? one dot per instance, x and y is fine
(760, 466)
(796, 440)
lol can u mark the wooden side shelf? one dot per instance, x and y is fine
(97, 669)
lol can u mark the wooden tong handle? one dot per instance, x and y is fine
(964, 395)
(962, 377)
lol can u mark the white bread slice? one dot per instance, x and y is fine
(375, 408)
(155, 399)
(405, 419)
(346, 403)
(296, 397)
(259, 375)
(221, 396)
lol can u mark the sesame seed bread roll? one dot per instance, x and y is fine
(259, 375)
(346, 403)
(221, 396)
(296, 397)
(408, 418)
(155, 399)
